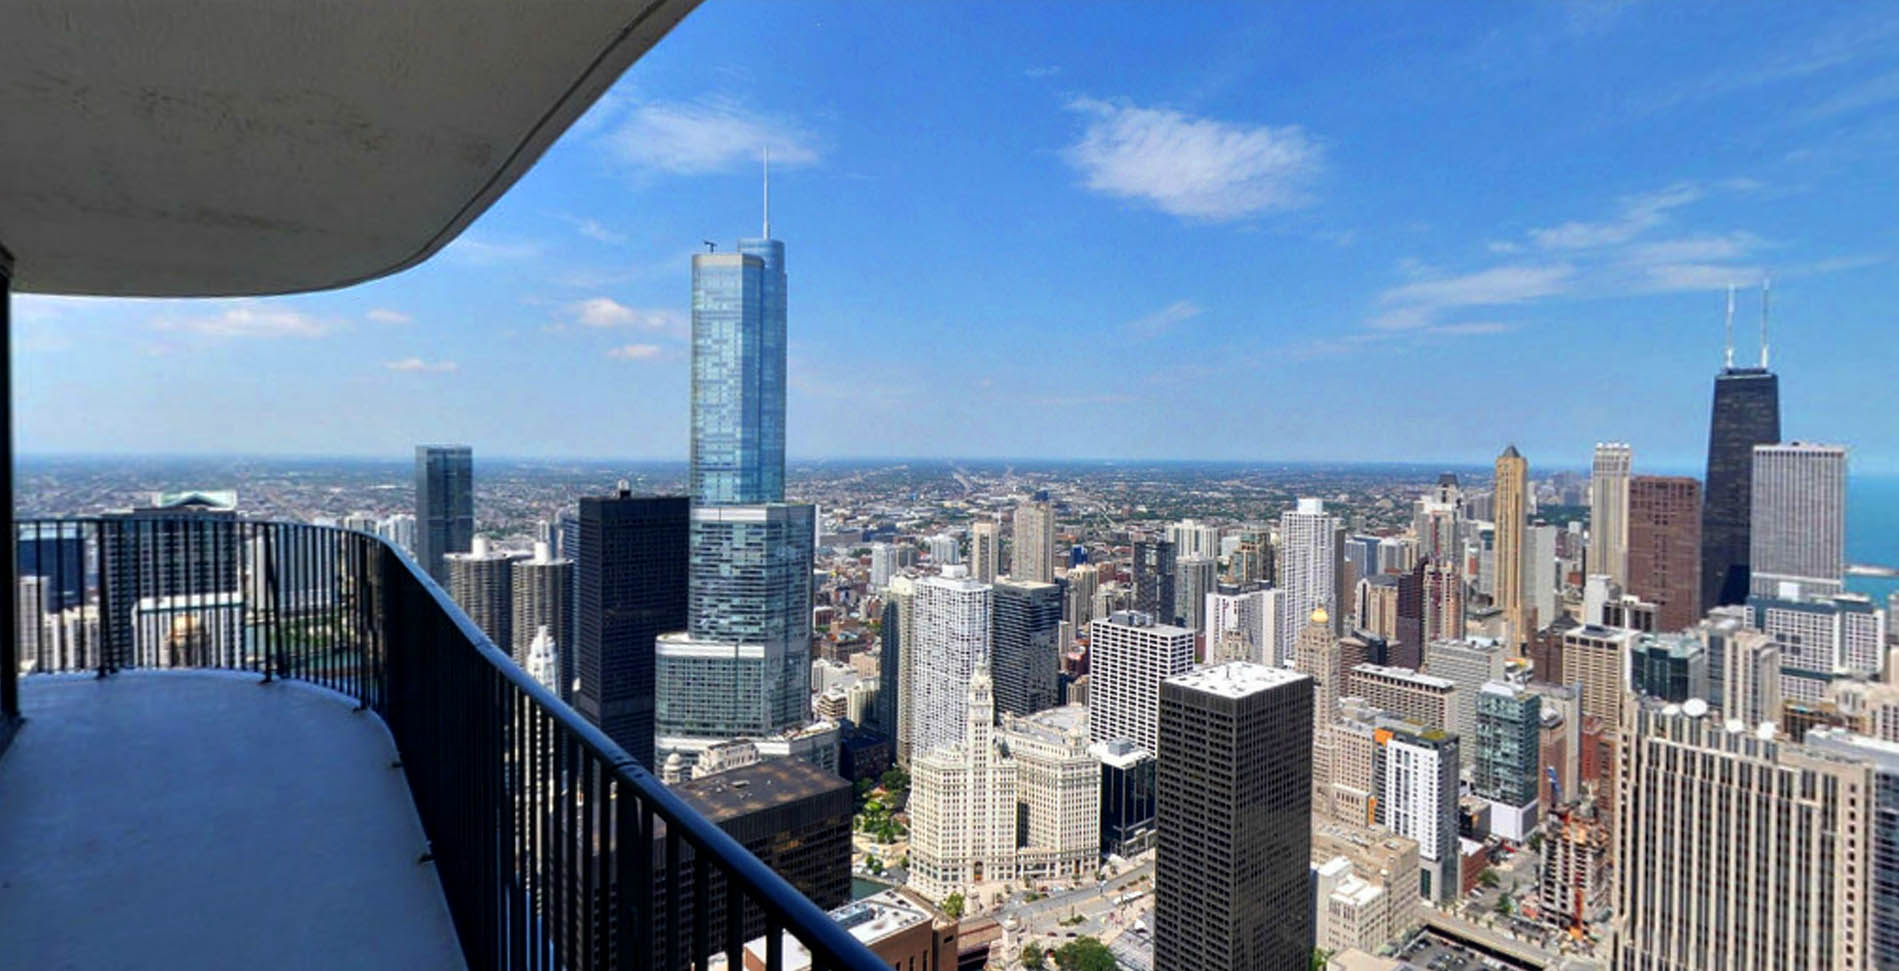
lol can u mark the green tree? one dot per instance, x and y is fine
(953, 905)
(1085, 954)
(1319, 957)
(1488, 878)
(1032, 956)
(896, 780)
(1503, 905)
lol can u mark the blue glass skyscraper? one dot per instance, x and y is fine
(742, 666)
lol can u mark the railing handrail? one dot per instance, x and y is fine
(830, 945)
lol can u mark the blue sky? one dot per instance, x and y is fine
(1262, 232)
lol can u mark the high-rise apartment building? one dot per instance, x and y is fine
(1376, 610)
(1234, 814)
(1797, 542)
(1154, 578)
(1598, 659)
(1664, 552)
(954, 619)
(1191, 538)
(543, 599)
(1881, 822)
(1670, 667)
(629, 589)
(883, 563)
(1025, 659)
(1195, 577)
(481, 582)
(1129, 655)
(1414, 782)
(1236, 628)
(1735, 851)
(1033, 557)
(1507, 738)
(1251, 559)
(1469, 663)
(899, 626)
(1609, 511)
(1427, 699)
(944, 550)
(1746, 413)
(1821, 639)
(1743, 666)
(1308, 574)
(985, 550)
(1078, 607)
(1512, 516)
(444, 505)
(400, 530)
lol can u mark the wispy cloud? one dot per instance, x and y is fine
(1638, 215)
(634, 352)
(1418, 305)
(419, 366)
(598, 232)
(1194, 168)
(1869, 93)
(708, 135)
(384, 315)
(248, 318)
(1163, 320)
(477, 250)
(1043, 71)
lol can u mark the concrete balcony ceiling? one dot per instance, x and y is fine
(185, 819)
(211, 148)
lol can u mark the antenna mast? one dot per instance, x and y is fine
(768, 192)
(1727, 359)
(1766, 284)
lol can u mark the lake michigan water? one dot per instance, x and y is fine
(1872, 532)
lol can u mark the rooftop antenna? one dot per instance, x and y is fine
(1766, 285)
(1727, 360)
(768, 192)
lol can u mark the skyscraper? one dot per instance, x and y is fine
(899, 624)
(1154, 579)
(1307, 551)
(1882, 825)
(1507, 739)
(1034, 554)
(1194, 578)
(954, 618)
(444, 505)
(742, 666)
(1129, 655)
(1746, 413)
(1736, 851)
(1025, 659)
(1664, 557)
(543, 600)
(1609, 511)
(985, 550)
(1414, 782)
(1191, 538)
(1083, 581)
(481, 582)
(1234, 815)
(1798, 533)
(1236, 627)
(1512, 517)
(630, 590)
(883, 562)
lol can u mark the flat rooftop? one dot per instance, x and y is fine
(187, 819)
(750, 788)
(1236, 679)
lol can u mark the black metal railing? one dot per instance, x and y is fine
(538, 824)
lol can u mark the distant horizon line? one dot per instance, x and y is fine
(1430, 464)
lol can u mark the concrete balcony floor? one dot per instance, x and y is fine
(201, 820)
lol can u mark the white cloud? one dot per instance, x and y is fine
(592, 229)
(1043, 71)
(1416, 305)
(1163, 320)
(248, 318)
(1638, 215)
(483, 251)
(1194, 168)
(384, 315)
(707, 135)
(634, 352)
(418, 365)
(603, 312)
(1729, 246)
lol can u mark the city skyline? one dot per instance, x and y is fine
(1316, 260)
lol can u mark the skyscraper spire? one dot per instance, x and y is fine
(1766, 284)
(767, 192)
(1727, 358)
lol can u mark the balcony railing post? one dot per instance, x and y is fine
(10, 650)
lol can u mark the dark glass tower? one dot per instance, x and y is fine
(631, 590)
(444, 505)
(1746, 413)
(1154, 579)
(1023, 656)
